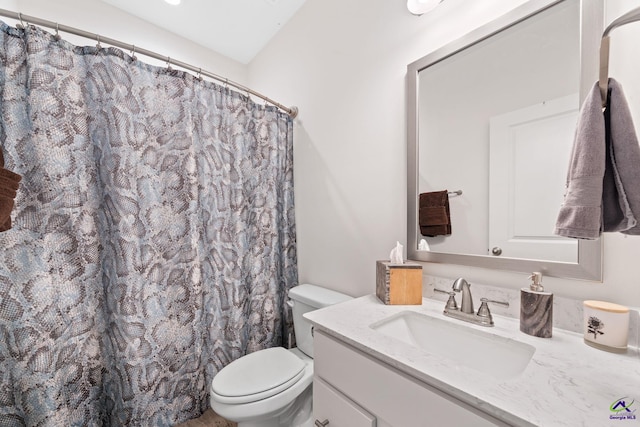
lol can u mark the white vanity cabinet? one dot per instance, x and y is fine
(352, 389)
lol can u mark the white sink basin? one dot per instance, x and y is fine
(491, 354)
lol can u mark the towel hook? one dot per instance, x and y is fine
(603, 80)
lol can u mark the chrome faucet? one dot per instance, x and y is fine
(461, 285)
(466, 312)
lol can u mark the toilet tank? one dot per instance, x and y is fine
(305, 298)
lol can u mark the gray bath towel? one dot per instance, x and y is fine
(603, 182)
(581, 213)
(621, 185)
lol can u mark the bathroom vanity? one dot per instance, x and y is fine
(382, 365)
(383, 394)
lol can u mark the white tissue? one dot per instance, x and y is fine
(423, 245)
(396, 254)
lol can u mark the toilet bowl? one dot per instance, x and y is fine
(273, 387)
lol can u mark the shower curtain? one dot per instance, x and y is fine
(153, 237)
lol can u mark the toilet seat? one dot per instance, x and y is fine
(257, 376)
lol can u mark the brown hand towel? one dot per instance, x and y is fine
(6, 206)
(434, 217)
(8, 176)
(9, 182)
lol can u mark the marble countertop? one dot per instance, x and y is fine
(566, 383)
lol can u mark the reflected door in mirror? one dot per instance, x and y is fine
(529, 152)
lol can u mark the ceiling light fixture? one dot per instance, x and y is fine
(173, 2)
(419, 7)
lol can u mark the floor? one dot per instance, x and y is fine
(208, 419)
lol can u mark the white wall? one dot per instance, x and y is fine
(624, 62)
(344, 64)
(9, 4)
(101, 18)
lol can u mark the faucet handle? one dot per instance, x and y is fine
(503, 303)
(483, 311)
(451, 302)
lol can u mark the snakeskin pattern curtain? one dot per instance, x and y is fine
(153, 237)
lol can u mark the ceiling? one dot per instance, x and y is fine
(237, 29)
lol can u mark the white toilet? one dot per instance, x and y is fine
(272, 387)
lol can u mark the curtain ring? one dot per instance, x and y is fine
(169, 63)
(99, 46)
(133, 52)
(200, 74)
(57, 35)
(22, 26)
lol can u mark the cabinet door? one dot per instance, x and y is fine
(394, 398)
(332, 406)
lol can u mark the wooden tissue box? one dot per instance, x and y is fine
(399, 283)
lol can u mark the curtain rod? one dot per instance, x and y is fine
(292, 111)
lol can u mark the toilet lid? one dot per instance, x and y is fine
(257, 376)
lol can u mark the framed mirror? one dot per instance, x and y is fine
(491, 119)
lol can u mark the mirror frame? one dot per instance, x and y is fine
(589, 265)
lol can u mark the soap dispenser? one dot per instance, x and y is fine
(536, 308)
